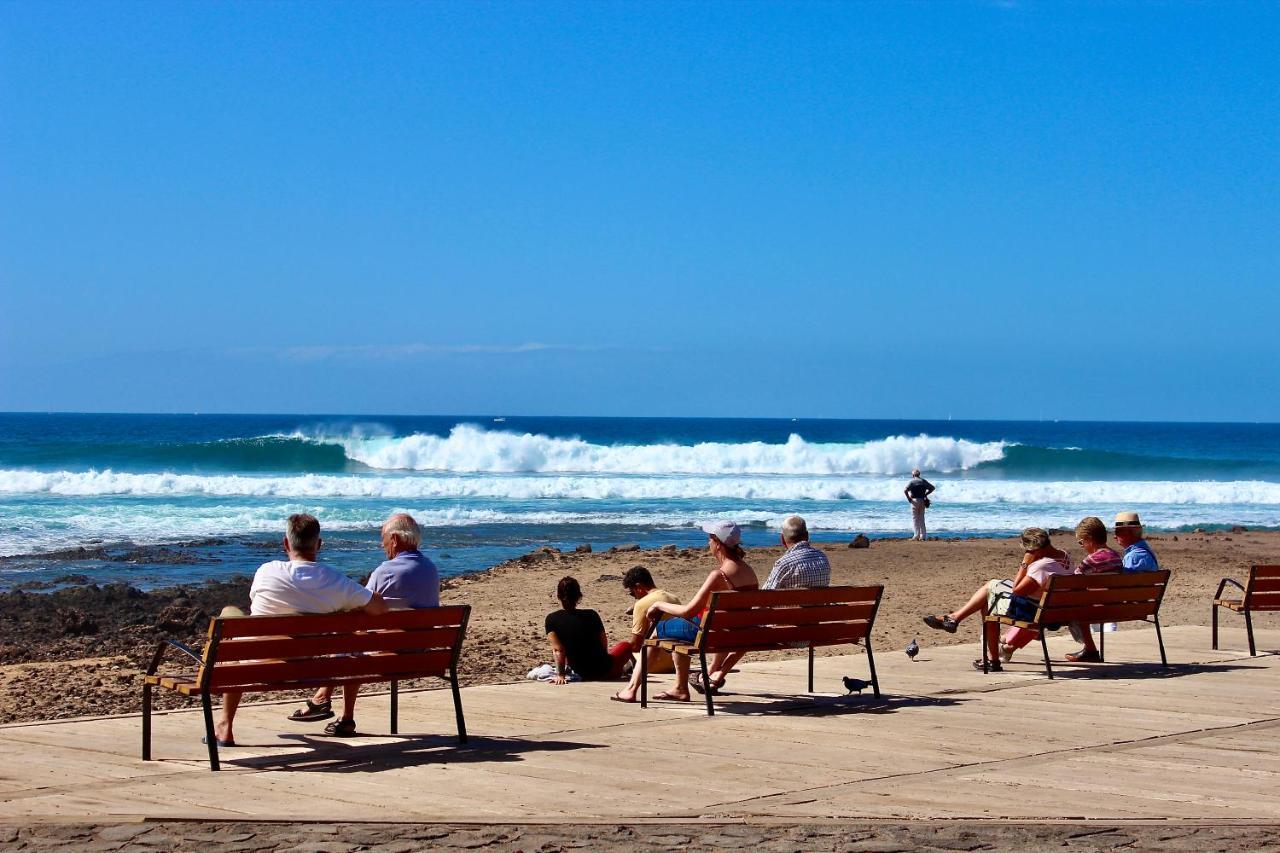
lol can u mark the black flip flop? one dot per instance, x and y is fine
(205, 741)
(313, 712)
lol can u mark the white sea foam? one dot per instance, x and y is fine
(469, 449)
(399, 487)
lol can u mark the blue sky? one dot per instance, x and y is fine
(999, 210)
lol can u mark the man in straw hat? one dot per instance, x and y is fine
(1138, 556)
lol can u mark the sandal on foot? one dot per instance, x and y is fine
(221, 742)
(341, 728)
(313, 712)
(993, 666)
(942, 623)
(617, 697)
(668, 696)
(1085, 656)
(704, 687)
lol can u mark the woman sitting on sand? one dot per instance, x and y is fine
(1017, 598)
(578, 640)
(731, 573)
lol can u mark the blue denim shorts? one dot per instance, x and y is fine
(676, 628)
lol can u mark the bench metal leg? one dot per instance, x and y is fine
(1248, 627)
(457, 706)
(1102, 642)
(644, 676)
(1164, 661)
(706, 684)
(811, 669)
(871, 662)
(982, 638)
(1214, 608)
(1044, 646)
(210, 735)
(146, 722)
(395, 707)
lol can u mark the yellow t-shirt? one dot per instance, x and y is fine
(662, 662)
(640, 613)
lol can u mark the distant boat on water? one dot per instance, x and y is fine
(499, 420)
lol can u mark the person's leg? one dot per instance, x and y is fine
(349, 694)
(917, 519)
(619, 656)
(976, 602)
(632, 690)
(721, 664)
(681, 689)
(222, 726)
(323, 695)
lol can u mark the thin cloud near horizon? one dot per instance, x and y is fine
(396, 352)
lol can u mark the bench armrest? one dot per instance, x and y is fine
(1223, 586)
(171, 644)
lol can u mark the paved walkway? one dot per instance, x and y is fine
(1122, 741)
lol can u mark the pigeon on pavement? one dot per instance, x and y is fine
(913, 649)
(855, 685)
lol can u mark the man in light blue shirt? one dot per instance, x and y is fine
(1138, 556)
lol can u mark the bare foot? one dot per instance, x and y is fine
(672, 696)
(222, 731)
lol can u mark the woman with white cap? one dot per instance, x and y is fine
(724, 541)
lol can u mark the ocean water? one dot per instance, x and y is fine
(163, 498)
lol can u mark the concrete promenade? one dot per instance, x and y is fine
(1123, 741)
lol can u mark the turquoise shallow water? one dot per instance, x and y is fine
(176, 498)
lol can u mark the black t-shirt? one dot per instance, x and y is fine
(919, 488)
(579, 634)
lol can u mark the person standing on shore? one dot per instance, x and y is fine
(917, 492)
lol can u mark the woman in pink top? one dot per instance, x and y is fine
(1017, 597)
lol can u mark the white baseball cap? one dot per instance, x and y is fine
(726, 531)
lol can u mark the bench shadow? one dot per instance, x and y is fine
(761, 704)
(333, 755)
(1065, 670)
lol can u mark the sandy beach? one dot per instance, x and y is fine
(94, 641)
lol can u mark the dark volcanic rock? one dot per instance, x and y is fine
(623, 549)
(584, 548)
(860, 541)
(74, 622)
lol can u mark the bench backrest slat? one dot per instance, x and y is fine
(309, 646)
(340, 623)
(821, 616)
(1102, 597)
(256, 650)
(318, 669)
(1262, 592)
(791, 615)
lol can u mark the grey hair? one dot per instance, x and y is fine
(794, 529)
(303, 533)
(915, 472)
(403, 529)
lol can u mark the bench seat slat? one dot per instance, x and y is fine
(339, 623)
(791, 615)
(374, 667)
(258, 648)
(796, 597)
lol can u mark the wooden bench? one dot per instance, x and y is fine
(1258, 594)
(264, 654)
(1093, 599)
(768, 620)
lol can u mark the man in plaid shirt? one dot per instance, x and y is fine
(802, 566)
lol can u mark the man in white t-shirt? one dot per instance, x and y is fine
(301, 585)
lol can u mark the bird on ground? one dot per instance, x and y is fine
(913, 649)
(855, 685)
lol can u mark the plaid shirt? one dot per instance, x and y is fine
(800, 567)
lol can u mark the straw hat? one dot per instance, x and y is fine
(1128, 519)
